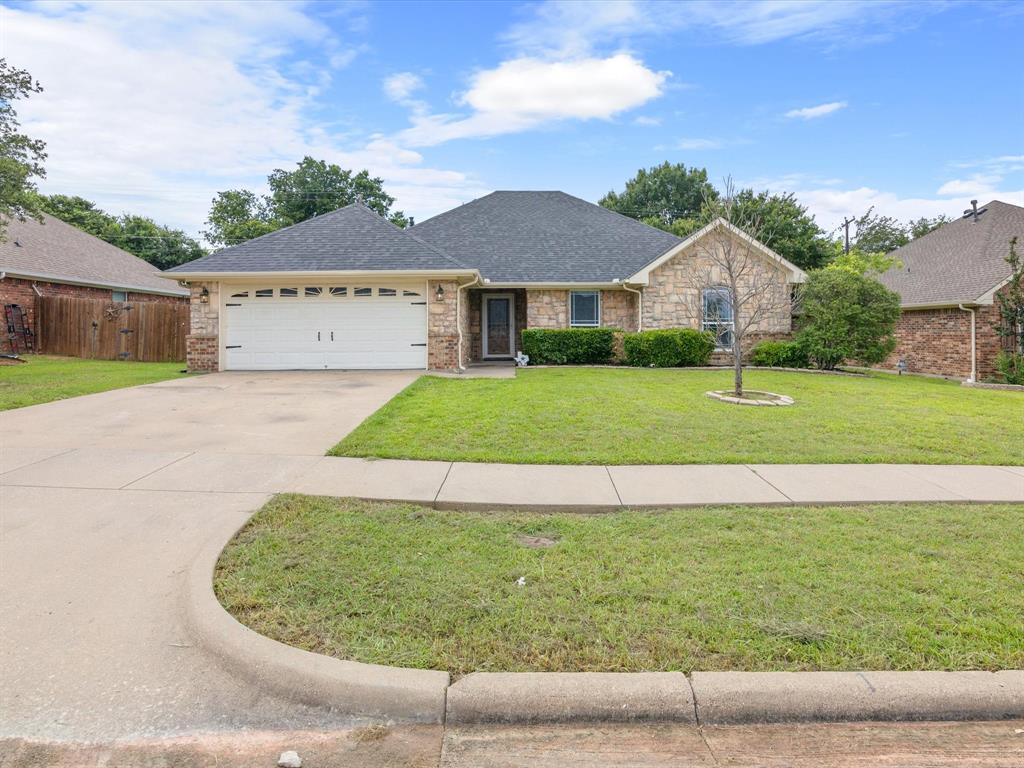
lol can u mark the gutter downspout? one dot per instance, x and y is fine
(974, 346)
(639, 305)
(458, 314)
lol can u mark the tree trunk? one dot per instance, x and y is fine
(737, 359)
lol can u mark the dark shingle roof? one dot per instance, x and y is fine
(544, 237)
(960, 261)
(65, 253)
(350, 238)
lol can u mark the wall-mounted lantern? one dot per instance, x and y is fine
(440, 292)
(204, 295)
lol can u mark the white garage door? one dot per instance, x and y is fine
(354, 325)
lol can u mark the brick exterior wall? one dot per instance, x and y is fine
(938, 342)
(203, 342)
(15, 290)
(673, 299)
(442, 327)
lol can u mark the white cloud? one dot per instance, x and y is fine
(154, 107)
(524, 93)
(810, 113)
(401, 85)
(699, 144)
(647, 122)
(978, 185)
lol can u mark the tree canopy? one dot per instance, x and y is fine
(161, 246)
(666, 192)
(21, 156)
(313, 188)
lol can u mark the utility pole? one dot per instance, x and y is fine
(846, 227)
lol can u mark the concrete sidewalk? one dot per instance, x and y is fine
(491, 486)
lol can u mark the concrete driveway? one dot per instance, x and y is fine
(93, 643)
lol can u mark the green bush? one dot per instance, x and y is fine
(1011, 367)
(669, 348)
(568, 346)
(780, 354)
(847, 316)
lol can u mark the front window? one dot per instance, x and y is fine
(717, 316)
(585, 308)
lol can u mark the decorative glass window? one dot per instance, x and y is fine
(121, 296)
(387, 292)
(264, 293)
(288, 292)
(314, 291)
(409, 293)
(585, 308)
(338, 291)
(717, 316)
(363, 292)
(240, 295)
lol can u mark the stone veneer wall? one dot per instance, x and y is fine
(473, 328)
(938, 341)
(442, 327)
(671, 300)
(15, 290)
(550, 309)
(202, 345)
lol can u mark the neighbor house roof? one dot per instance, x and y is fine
(545, 237)
(53, 251)
(961, 262)
(350, 239)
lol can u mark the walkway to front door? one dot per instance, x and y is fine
(498, 322)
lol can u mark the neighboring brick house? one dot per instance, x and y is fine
(350, 290)
(53, 258)
(947, 282)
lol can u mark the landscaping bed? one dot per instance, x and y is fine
(43, 378)
(875, 587)
(662, 416)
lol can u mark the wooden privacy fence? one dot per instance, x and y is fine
(144, 331)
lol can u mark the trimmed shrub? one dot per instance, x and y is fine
(780, 354)
(568, 346)
(672, 348)
(1010, 366)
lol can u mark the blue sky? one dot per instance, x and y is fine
(154, 107)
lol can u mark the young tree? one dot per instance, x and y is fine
(737, 285)
(860, 262)
(665, 193)
(1010, 323)
(21, 157)
(847, 316)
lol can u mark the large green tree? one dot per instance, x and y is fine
(161, 246)
(21, 156)
(313, 188)
(879, 234)
(665, 193)
(785, 227)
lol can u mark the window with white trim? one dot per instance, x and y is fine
(585, 309)
(717, 316)
(119, 296)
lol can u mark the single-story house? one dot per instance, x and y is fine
(350, 290)
(53, 258)
(947, 282)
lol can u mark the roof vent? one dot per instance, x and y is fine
(973, 211)
(17, 243)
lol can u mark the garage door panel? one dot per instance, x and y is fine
(328, 331)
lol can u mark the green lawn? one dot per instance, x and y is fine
(44, 378)
(882, 587)
(630, 416)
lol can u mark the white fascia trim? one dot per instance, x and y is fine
(48, 278)
(989, 297)
(555, 286)
(941, 305)
(323, 273)
(642, 277)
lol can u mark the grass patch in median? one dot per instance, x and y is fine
(629, 416)
(878, 587)
(44, 378)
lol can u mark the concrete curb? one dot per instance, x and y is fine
(362, 690)
(725, 698)
(565, 697)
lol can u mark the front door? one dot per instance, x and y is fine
(499, 325)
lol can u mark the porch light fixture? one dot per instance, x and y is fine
(440, 292)
(204, 296)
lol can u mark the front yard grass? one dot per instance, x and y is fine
(879, 587)
(630, 416)
(44, 378)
